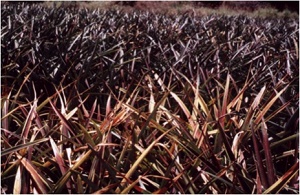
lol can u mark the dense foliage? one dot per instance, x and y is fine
(111, 102)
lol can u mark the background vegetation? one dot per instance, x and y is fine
(110, 101)
(261, 9)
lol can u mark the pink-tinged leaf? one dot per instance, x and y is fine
(283, 180)
(195, 104)
(176, 54)
(28, 121)
(35, 191)
(129, 187)
(267, 107)
(160, 82)
(18, 181)
(73, 42)
(22, 146)
(64, 132)
(258, 98)
(194, 125)
(251, 110)
(71, 113)
(236, 142)
(23, 109)
(106, 125)
(61, 183)
(69, 152)
(288, 65)
(64, 121)
(93, 167)
(98, 113)
(108, 105)
(182, 105)
(38, 122)
(284, 106)
(296, 47)
(259, 187)
(106, 189)
(237, 100)
(86, 113)
(58, 157)
(139, 160)
(91, 113)
(162, 190)
(225, 102)
(30, 116)
(120, 116)
(201, 135)
(216, 111)
(59, 160)
(151, 102)
(63, 101)
(198, 98)
(258, 158)
(5, 112)
(38, 180)
(268, 155)
(87, 136)
(135, 97)
(79, 186)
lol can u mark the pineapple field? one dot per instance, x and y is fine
(108, 101)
